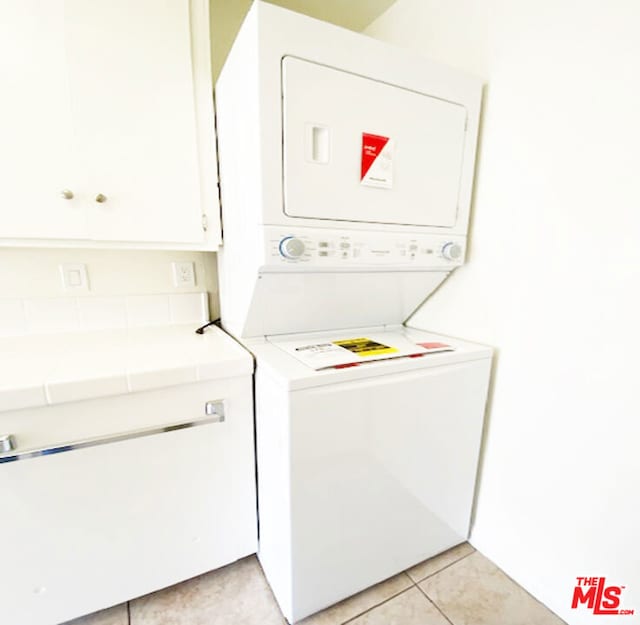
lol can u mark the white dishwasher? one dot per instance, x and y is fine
(107, 499)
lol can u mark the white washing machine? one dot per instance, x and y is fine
(365, 470)
(346, 171)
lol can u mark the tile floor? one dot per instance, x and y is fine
(458, 587)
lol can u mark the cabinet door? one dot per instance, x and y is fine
(97, 526)
(134, 107)
(35, 125)
(89, 525)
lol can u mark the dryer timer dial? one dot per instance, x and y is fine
(292, 247)
(452, 251)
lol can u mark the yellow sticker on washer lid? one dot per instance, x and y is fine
(365, 347)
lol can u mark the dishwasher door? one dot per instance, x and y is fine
(94, 522)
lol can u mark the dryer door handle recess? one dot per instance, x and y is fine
(317, 142)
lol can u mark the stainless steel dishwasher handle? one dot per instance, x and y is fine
(214, 413)
(215, 408)
(7, 443)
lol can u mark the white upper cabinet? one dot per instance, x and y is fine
(112, 101)
(36, 151)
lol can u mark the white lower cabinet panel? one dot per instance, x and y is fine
(94, 526)
(360, 480)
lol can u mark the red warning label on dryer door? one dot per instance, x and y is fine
(377, 161)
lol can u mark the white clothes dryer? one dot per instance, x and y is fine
(346, 172)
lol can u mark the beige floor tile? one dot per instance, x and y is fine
(113, 616)
(409, 608)
(418, 572)
(237, 594)
(357, 604)
(474, 591)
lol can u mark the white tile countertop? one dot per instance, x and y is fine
(40, 370)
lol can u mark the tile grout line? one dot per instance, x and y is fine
(427, 597)
(513, 581)
(377, 605)
(413, 584)
(466, 555)
(523, 588)
(434, 604)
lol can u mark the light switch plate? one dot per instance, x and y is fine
(75, 277)
(184, 274)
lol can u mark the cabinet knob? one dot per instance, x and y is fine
(66, 194)
(7, 443)
(100, 198)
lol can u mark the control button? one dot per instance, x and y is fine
(452, 251)
(323, 253)
(291, 247)
(323, 244)
(345, 246)
(413, 248)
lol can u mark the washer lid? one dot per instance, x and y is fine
(349, 349)
(278, 359)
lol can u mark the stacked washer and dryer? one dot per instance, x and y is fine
(346, 170)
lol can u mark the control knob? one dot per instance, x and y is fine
(292, 247)
(452, 251)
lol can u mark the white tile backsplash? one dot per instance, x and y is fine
(102, 313)
(148, 310)
(40, 315)
(188, 308)
(51, 315)
(12, 317)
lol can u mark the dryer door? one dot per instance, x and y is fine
(359, 150)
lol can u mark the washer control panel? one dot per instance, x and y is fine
(329, 249)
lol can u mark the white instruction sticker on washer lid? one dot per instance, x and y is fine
(317, 355)
(320, 348)
(341, 351)
(376, 168)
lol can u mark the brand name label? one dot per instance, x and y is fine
(596, 595)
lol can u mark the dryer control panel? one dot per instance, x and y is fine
(317, 249)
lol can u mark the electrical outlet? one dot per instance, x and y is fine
(75, 277)
(184, 274)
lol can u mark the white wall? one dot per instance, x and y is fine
(553, 280)
(227, 15)
(226, 18)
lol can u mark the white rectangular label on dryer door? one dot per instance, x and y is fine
(376, 168)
